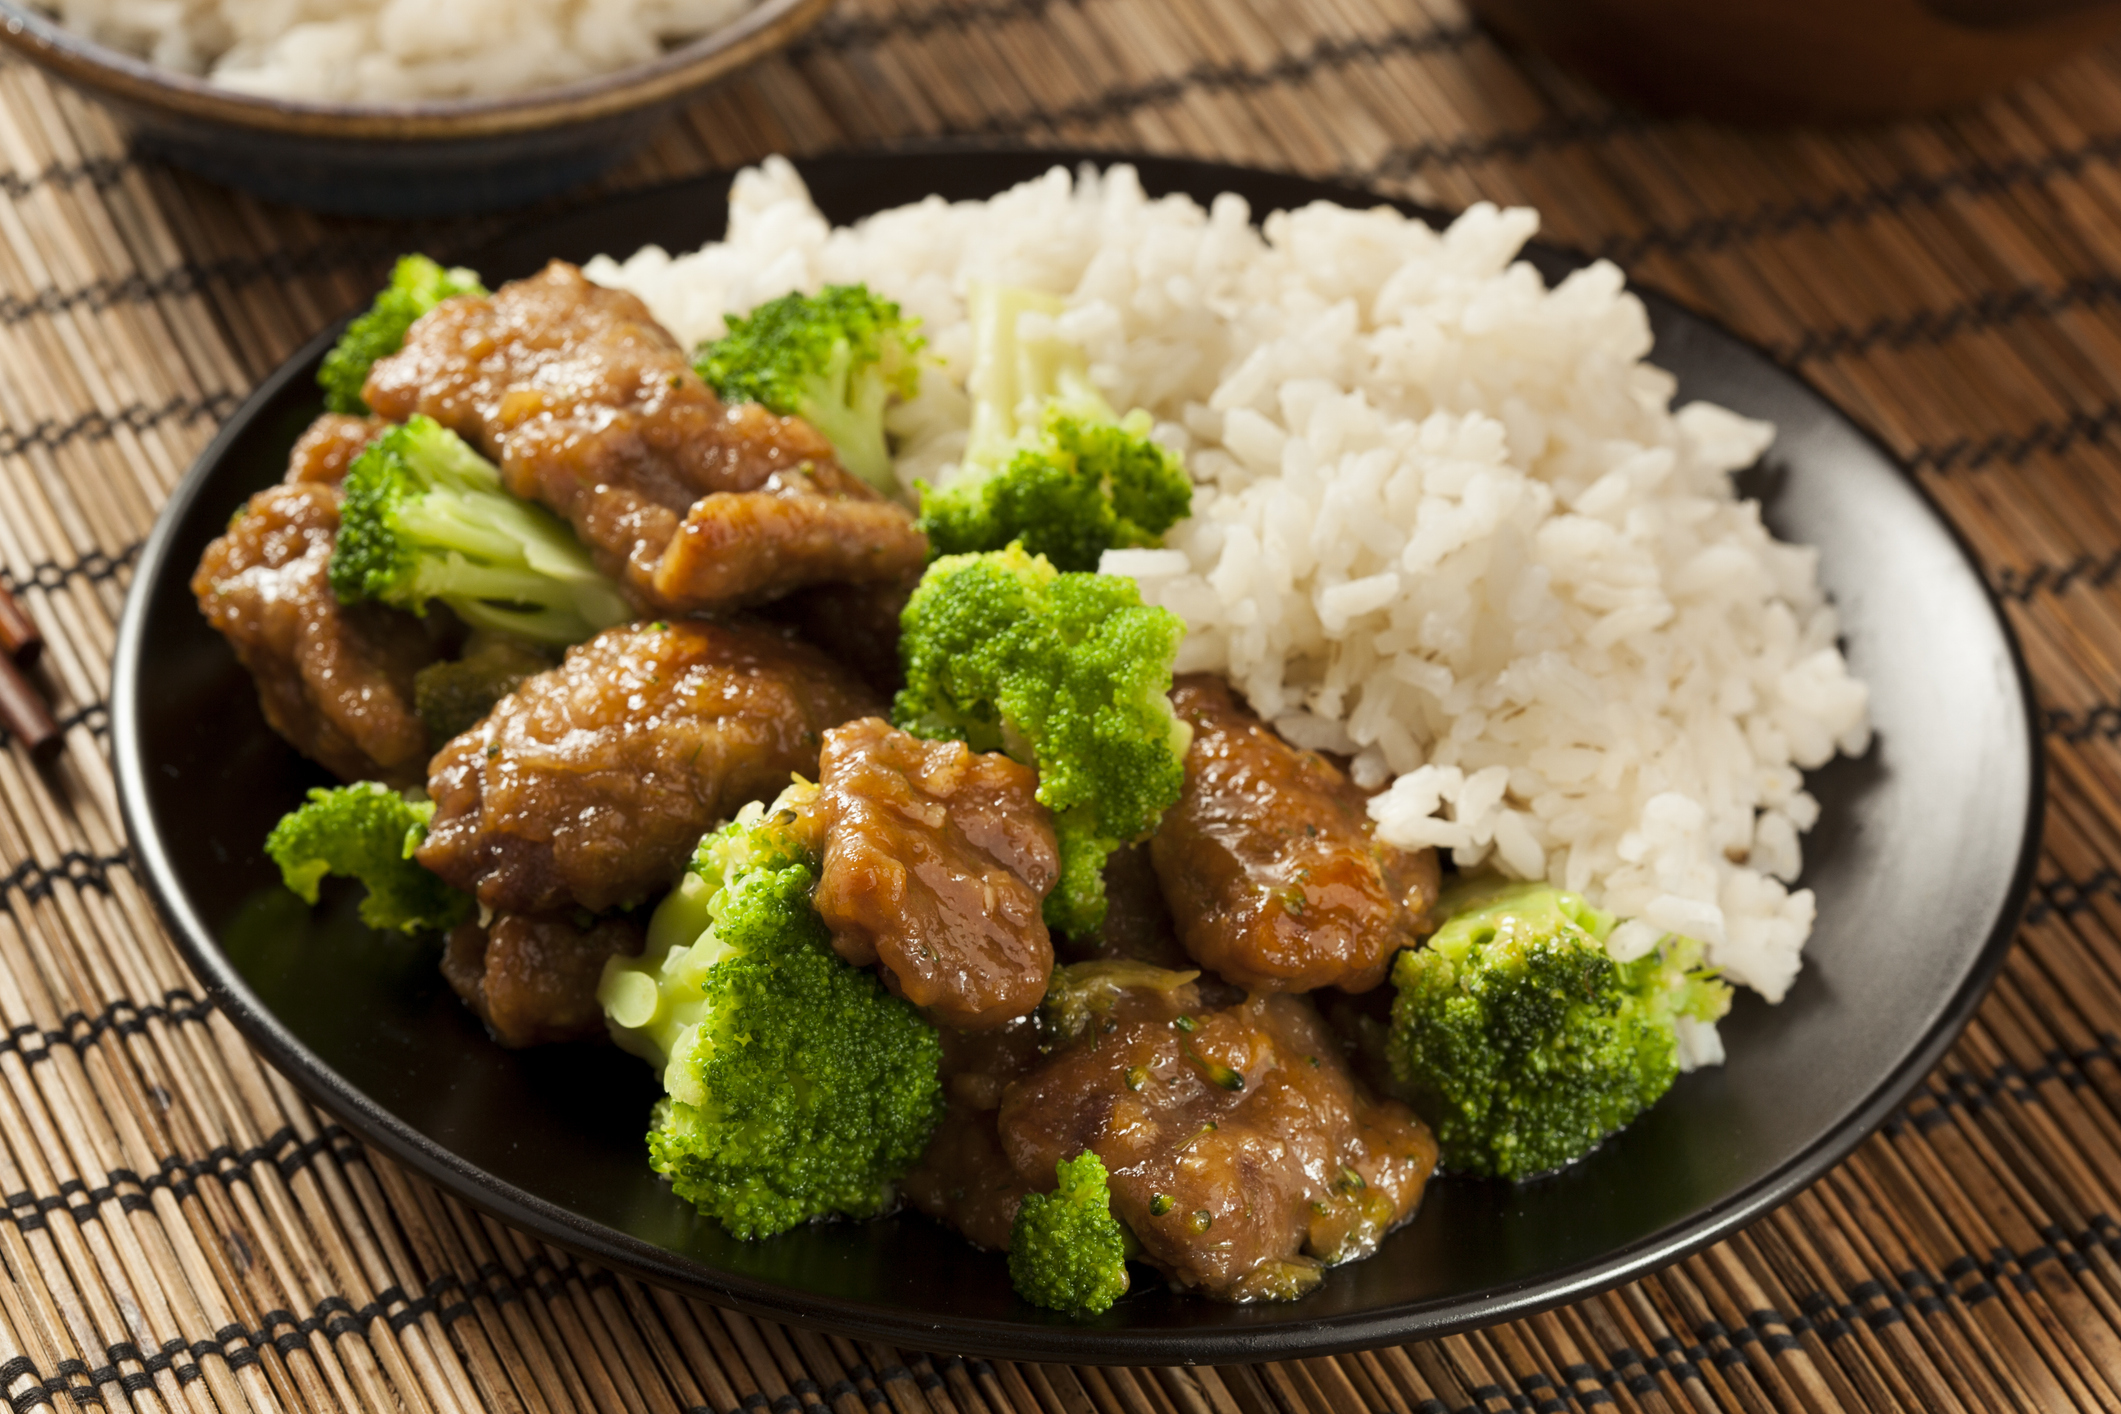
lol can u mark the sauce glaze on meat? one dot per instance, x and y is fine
(855, 624)
(589, 785)
(335, 680)
(937, 860)
(327, 447)
(1269, 863)
(591, 407)
(1241, 1151)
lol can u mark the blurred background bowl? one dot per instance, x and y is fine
(1804, 59)
(436, 158)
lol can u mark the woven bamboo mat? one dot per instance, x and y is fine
(184, 1233)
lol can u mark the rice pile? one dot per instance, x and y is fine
(1446, 522)
(392, 51)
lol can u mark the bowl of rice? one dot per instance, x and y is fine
(391, 107)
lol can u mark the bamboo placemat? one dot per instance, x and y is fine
(184, 1233)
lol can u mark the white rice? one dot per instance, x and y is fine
(1446, 522)
(392, 51)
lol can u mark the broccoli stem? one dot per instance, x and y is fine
(425, 517)
(1048, 463)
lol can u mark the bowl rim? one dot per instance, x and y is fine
(376, 1125)
(113, 74)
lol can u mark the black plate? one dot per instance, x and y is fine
(1921, 862)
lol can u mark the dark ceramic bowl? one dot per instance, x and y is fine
(408, 159)
(1920, 864)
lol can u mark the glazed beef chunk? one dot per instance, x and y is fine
(534, 980)
(937, 860)
(591, 407)
(1241, 1151)
(326, 451)
(1269, 863)
(336, 681)
(589, 785)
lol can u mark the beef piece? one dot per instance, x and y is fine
(1415, 878)
(589, 785)
(326, 451)
(335, 680)
(1241, 1151)
(856, 624)
(589, 406)
(1270, 864)
(964, 1180)
(813, 525)
(533, 980)
(936, 861)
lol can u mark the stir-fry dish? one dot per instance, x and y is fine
(820, 713)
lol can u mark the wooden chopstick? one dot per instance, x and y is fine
(23, 711)
(19, 639)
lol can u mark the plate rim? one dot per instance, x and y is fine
(1294, 1337)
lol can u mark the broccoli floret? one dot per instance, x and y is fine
(425, 517)
(834, 359)
(1523, 1042)
(366, 832)
(1066, 1250)
(453, 697)
(1049, 463)
(1086, 484)
(797, 1087)
(416, 286)
(1067, 673)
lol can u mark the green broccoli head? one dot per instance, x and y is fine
(1523, 1042)
(797, 1087)
(425, 517)
(416, 286)
(1086, 485)
(1049, 464)
(834, 359)
(1068, 673)
(366, 832)
(1066, 1250)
